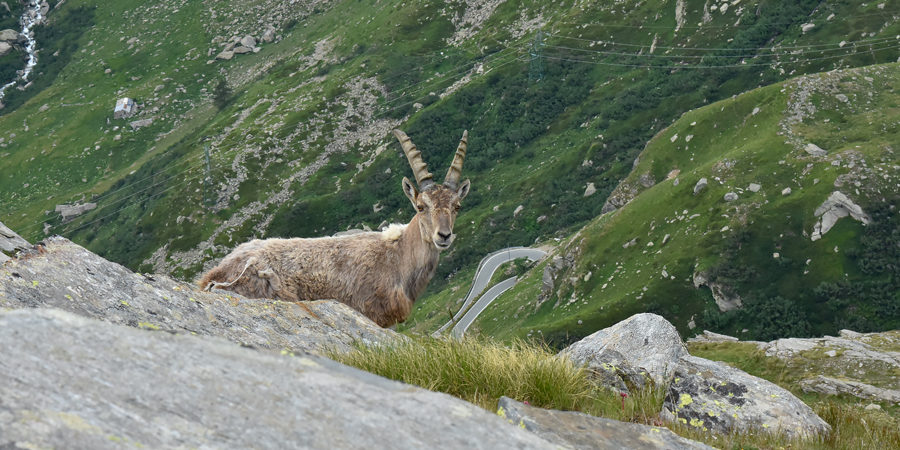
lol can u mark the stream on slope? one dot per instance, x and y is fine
(31, 17)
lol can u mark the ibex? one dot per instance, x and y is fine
(380, 274)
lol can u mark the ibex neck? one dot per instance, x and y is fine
(420, 257)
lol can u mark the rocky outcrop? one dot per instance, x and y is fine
(725, 299)
(646, 340)
(577, 430)
(69, 212)
(60, 274)
(73, 382)
(699, 393)
(709, 336)
(713, 396)
(835, 207)
(832, 386)
(10, 243)
(10, 35)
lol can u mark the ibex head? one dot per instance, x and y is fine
(437, 204)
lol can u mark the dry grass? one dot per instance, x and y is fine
(480, 371)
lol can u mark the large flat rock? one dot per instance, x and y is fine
(61, 274)
(73, 382)
(578, 430)
(713, 396)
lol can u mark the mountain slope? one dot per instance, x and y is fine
(782, 151)
(298, 133)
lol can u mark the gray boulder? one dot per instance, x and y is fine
(814, 150)
(836, 207)
(5, 48)
(646, 340)
(240, 50)
(730, 196)
(248, 41)
(9, 35)
(832, 386)
(268, 35)
(710, 395)
(141, 123)
(73, 382)
(10, 243)
(578, 430)
(60, 274)
(701, 185)
(225, 55)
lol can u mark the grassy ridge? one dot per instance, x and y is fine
(758, 246)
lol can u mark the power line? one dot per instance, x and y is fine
(723, 66)
(721, 49)
(668, 56)
(670, 27)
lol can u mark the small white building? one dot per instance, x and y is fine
(125, 107)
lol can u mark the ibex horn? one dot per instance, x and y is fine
(420, 169)
(453, 174)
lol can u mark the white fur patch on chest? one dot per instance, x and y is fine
(393, 231)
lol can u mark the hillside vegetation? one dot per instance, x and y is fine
(663, 249)
(298, 132)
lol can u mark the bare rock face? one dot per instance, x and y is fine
(5, 48)
(578, 430)
(647, 340)
(836, 207)
(10, 243)
(713, 396)
(60, 274)
(74, 382)
(69, 212)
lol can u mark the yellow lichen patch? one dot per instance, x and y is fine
(68, 296)
(696, 423)
(683, 420)
(148, 326)
(501, 412)
(684, 400)
(34, 283)
(124, 302)
(521, 424)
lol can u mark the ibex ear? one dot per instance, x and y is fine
(463, 190)
(410, 190)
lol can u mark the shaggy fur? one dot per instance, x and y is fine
(380, 274)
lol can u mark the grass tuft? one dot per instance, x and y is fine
(481, 370)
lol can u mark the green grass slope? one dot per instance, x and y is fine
(646, 255)
(299, 142)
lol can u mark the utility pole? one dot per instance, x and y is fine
(207, 180)
(536, 73)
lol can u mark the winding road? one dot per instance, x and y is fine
(483, 275)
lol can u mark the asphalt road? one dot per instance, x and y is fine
(460, 329)
(486, 270)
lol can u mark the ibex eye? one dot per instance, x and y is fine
(421, 208)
